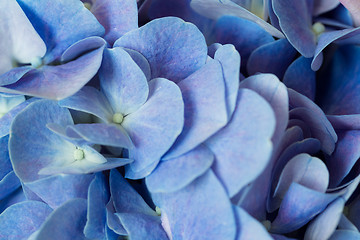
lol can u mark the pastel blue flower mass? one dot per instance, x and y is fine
(179, 120)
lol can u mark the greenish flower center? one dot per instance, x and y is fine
(318, 28)
(118, 118)
(267, 224)
(36, 62)
(79, 154)
(87, 5)
(158, 211)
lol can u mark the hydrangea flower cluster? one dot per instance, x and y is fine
(181, 119)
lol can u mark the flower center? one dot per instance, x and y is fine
(318, 28)
(78, 154)
(118, 118)
(267, 224)
(36, 62)
(87, 5)
(158, 211)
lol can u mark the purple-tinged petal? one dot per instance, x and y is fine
(8, 184)
(354, 8)
(345, 235)
(245, 35)
(69, 185)
(318, 126)
(59, 31)
(104, 134)
(65, 222)
(345, 122)
(245, 140)
(269, 87)
(132, 174)
(31, 141)
(122, 81)
(14, 75)
(125, 198)
(215, 9)
(322, 227)
(174, 54)
(346, 224)
(89, 100)
(112, 221)
(6, 120)
(118, 17)
(164, 109)
(58, 82)
(298, 207)
(203, 210)
(229, 59)
(16, 197)
(301, 78)
(24, 44)
(248, 227)
(296, 23)
(273, 57)
(98, 196)
(205, 108)
(349, 36)
(180, 171)
(20, 220)
(303, 169)
(141, 61)
(81, 47)
(140, 226)
(346, 154)
(323, 6)
(5, 164)
(342, 88)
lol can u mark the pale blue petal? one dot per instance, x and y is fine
(345, 235)
(174, 54)
(180, 171)
(164, 109)
(205, 108)
(245, 140)
(203, 210)
(20, 220)
(122, 81)
(66, 222)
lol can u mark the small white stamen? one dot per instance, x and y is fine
(318, 28)
(118, 118)
(79, 154)
(36, 62)
(87, 5)
(158, 211)
(267, 224)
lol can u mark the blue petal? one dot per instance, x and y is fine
(66, 222)
(31, 141)
(89, 100)
(205, 108)
(273, 57)
(245, 35)
(296, 23)
(345, 156)
(245, 140)
(322, 6)
(164, 109)
(324, 224)
(301, 78)
(342, 36)
(229, 59)
(119, 74)
(298, 207)
(69, 185)
(140, 226)
(215, 9)
(180, 171)
(112, 221)
(342, 83)
(275, 92)
(20, 220)
(174, 54)
(248, 227)
(24, 42)
(98, 196)
(14, 75)
(59, 31)
(8, 184)
(58, 82)
(345, 235)
(203, 210)
(141, 61)
(104, 134)
(117, 16)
